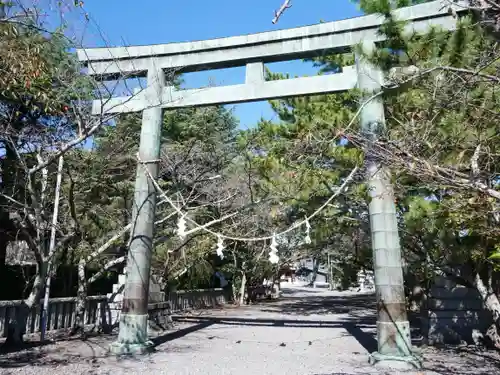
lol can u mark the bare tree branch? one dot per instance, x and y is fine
(287, 4)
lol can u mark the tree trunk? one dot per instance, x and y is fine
(233, 283)
(3, 254)
(492, 304)
(17, 324)
(81, 297)
(52, 245)
(243, 288)
(235, 292)
(314, 271)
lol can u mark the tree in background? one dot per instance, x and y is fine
(41, 118)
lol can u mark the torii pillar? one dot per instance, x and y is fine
(133, 333)
(393, 327)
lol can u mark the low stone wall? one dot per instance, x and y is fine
(159, 315)
(454, 311)
(185, 300)
(182, 300)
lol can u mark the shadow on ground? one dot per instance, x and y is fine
(161, 339)
(47, 355)
(38, 358)
(295, 291)
(63, 335)
(5, 349)
(53, 352)
(95, 346)
(353, 327)
(462, 361)
(321, 304)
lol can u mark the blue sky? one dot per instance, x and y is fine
(132, 22)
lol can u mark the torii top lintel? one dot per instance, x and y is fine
(280, 45)
(251, 51)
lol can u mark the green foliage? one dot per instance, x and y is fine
(41, 91)
(39, 76)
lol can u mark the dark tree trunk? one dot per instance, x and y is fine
(17, 326)
(17, 323)
(314, 271)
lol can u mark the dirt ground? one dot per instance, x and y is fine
(307, 332)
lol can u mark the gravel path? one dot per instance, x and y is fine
(307, 332)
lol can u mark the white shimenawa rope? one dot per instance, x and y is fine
(273, 257)
(251, 239)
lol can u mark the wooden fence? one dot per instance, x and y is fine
(61, 312)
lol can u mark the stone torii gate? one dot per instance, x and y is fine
(252, 51)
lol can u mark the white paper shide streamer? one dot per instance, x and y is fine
(220, 247)
(181, 227)
(273, 254)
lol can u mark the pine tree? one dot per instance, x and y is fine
(303, 157)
